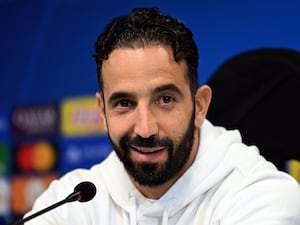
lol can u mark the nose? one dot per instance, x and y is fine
(145, 122)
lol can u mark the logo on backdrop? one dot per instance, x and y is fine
(80, 117)
(37, 156)
(4, 159)
(83, 152)
(35, 120)
(25, 190)
(293, 168)
(4, 197)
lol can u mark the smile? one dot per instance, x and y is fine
(145, 150)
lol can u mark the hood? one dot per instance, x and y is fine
(209, 168)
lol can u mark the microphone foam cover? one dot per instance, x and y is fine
(87, 191)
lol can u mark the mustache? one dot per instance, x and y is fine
(151, 142)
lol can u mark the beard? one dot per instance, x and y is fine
(154, 174)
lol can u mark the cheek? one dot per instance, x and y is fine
(116, 129)
(176, 125)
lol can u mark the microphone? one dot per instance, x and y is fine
(83, 192)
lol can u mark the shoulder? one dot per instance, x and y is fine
(271, 198)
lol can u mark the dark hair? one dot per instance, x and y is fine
(148, 27)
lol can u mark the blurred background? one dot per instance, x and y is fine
(48, 113)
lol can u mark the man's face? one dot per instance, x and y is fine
(149, 113)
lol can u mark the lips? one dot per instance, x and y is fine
(146, 150)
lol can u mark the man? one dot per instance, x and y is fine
(170, 165)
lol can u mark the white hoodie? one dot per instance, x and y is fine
(228, 184)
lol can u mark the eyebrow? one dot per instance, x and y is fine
(123, 94)
(168, 87)
(119, 95)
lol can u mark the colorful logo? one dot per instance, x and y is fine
(293, 168)
(4, 159)
(39, 156)
(80, 117)
(25, 191)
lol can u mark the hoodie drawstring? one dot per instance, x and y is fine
(166, 212)
(132, 215)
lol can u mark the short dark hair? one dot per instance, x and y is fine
(149, 27)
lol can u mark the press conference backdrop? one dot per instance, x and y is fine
(48, 114)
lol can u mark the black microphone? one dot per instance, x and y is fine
(83, 192)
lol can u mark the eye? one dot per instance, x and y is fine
(124, 104)
(165, 99)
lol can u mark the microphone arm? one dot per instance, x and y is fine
(83, 192)
(72, 197)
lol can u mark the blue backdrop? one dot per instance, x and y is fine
(46, 49)
(46, 45)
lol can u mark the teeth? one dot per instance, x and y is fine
(148, 151)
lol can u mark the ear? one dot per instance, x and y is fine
(202, 101)
(101, 107)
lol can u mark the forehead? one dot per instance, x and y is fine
(142, 68)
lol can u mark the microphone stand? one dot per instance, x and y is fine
(71, 198)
